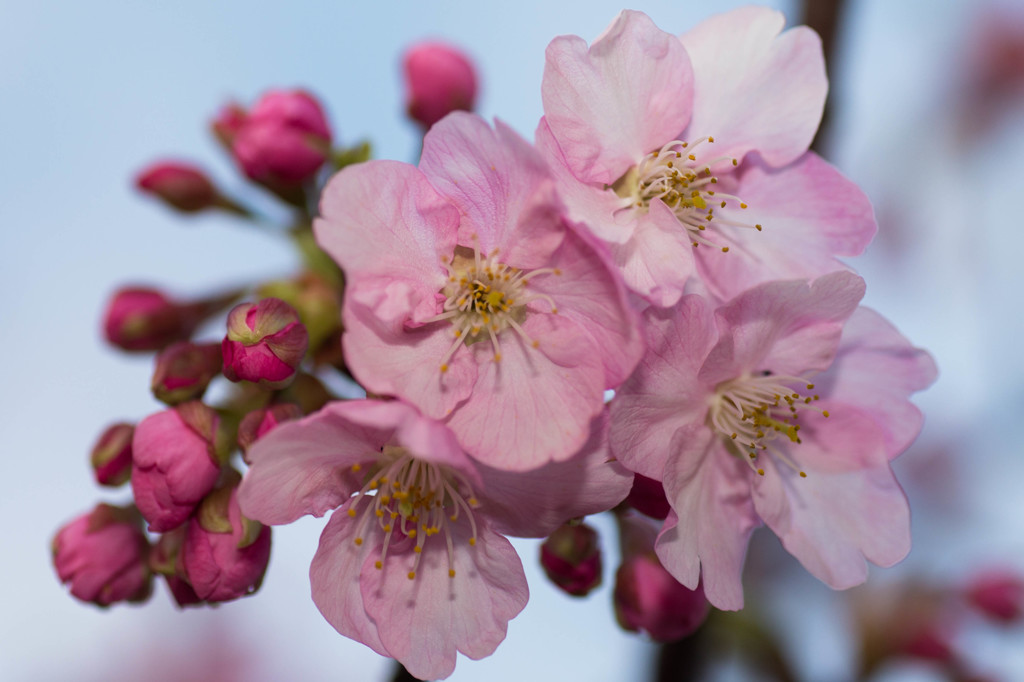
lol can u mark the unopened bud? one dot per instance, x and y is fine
(439, 79)
(176, 463)
(227, 123)
(571, 558)
(179, 185)
(317, 303)
(258, 423)
(225, 554)
(265, 343)
(999, 594)
(284, 139)
(139, 318)
(103, 555)
(648, 497)
(111, 456)
(184, 370)
(165, 559)
(648, 598)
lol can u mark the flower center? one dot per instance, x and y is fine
(415, 499)
(754, 410)
(483, 297)
(686, 184)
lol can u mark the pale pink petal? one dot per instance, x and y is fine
(756, 90)
(303, 467)
(658, 261)
(535, 503)
(849, 507)
(810, 215)
(334, 576)
(499, 183)
(424, 621)
(627, 95)
(536, 403)
(706, 534)
(876, 369)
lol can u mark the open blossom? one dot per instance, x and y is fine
(662, 144)
(770, 410)
(468, 295)
(414, 562)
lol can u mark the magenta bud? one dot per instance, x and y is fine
(647, 496)
(265, 343)
(571, 558)
(648, 598)
(283, 140)
(929, 643)
(179, 185)
(103, 555)
(111, 457)
(166, 559)
(999, 594)
(139, 318)
(225, 554)
(175, 463)
(227, 123)
(258, 423)
(184, 370)
(439, 79)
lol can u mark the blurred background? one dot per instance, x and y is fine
(927, 115)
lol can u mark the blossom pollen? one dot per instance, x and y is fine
(684, 184)
(483, 297)
(421, 501)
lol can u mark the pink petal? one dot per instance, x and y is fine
(705, 536)
(534, 503)
(876, 369)
(658, 261)
(849, 507)
(499, 183)
(423, 622)
(810, 214)
(627, 95)
(756, 90)
(334, 576)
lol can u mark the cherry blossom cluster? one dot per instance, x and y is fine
(667, 239)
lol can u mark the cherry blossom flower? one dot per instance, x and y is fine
(468, 295)
(770, 410)
(414, 562)
(660, 145)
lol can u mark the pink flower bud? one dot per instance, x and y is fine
(225, 554)
(927, 642)
(648, 497)
(179, 185)
(138, 318)
(265, 343)
(228, 122)
(258, 423)
(571, 558)
(176, 463)
(439, 79)
(999, 594)
(284, 139)
(166, 559)
(103, 555)
(111, 456)
(648, 598)
(184, 370)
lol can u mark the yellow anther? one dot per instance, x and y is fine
(444, 368)
(803, 474)
(352, 513)
(356, 468)
(735, 162)
(742, 205)
(725, 249)
(387, 527)
(411, 533)
(472, 542)
(824, 413)
(451, 572)
(358, 541)
(412, 575)
(378, 565)
(760, 472)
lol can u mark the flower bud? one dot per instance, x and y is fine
(112, 455)
(179, 185)
(184, 370)
(265, 343)
(228, 122)
(318, 304)
(176, 462)
(165, 559)
(139, 318)
(439, 79)
(999, 594)
(571, 558)
(103, 555)
(648, 497)
(648, 598)
(284, 139)
(225, 554)
(258, 423)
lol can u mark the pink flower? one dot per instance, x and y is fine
(175, 463)
(769, 409)
(283, 140)
(180, 185)
(644, 130)
(265, 343)
(439, 79)
(414, 562)
(103, 555)
(468, 296)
